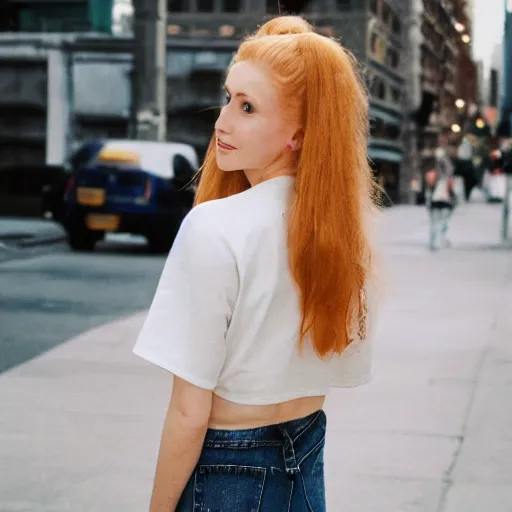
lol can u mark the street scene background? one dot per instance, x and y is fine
(100, 137)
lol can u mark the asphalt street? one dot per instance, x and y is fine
(49, 298)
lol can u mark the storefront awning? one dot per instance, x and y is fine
(383, 116)
(385, 154)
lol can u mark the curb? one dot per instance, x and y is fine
(39, 240)
(16, 247)
(24, 240)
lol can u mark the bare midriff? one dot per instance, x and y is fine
(226, 415)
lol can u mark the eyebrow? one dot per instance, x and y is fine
(237, 94)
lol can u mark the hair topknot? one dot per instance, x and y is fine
(284, 25)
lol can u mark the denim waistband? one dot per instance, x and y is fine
(270, 435)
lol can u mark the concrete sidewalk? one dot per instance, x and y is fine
(80, 425)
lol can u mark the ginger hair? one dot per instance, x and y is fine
(330, 254)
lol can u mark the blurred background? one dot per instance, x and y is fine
(106, 111)
(71, 71)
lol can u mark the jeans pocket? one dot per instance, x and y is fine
(228, 488)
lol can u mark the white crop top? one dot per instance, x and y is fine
(226, 315)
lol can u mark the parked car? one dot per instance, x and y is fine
(128, 186)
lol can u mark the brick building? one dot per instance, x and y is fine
(446, 71)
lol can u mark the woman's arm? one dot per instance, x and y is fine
(183, 435)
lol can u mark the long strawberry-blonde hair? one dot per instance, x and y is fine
(330, 254)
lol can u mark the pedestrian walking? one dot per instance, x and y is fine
(465, 165)
(441, 199)
(266, 300)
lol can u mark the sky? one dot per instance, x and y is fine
(488, 27)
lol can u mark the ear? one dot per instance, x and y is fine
(296, 141)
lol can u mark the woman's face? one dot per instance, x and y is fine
(251, 131)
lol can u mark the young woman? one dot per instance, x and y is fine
(441, 199)
(262, 303)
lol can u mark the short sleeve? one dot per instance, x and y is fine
(355, 366)
(185, 329)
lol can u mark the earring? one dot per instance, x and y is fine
(291, 146)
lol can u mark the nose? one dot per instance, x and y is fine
(223, 123)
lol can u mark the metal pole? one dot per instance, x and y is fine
(505, 112)
(70, 82)
(506, 209)
(150, 65)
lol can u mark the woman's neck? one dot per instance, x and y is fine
(256, 176)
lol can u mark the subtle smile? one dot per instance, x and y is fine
(225, 147)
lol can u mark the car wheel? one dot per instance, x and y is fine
(81, 240)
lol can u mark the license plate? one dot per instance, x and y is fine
(90, 196)
(102, 222)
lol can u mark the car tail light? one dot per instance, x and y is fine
(147, 189)
(70, 185)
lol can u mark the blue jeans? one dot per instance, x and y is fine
(277, 468)
(439, 219)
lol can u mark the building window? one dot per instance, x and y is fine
(177, 5)
(272, 7)
(380, 54)
(393, 58)
(386, 14)
(396, 26)
(231, 5)
(343, 5)
(396, 94)
(378, 88)
(393, 132)
(381, 91)
(205, 5)
(373, 43)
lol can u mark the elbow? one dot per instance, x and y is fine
(191, 405)
(192, 420)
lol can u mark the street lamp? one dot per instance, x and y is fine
(459, 27)
(172, 30)
(226, 30)
(466, 39)
(456, 128)
(480, 123)
(460, 103)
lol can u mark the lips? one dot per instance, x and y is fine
(223, 145)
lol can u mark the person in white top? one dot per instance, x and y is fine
(265, 299)
(441, 199)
